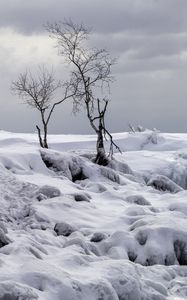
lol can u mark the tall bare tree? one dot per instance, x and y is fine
(39, 92)
(91, 72)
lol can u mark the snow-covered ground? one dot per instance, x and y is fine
(72, 230)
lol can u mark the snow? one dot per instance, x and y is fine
(70, 229)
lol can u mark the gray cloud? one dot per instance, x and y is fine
(150, 17)
(148, 36)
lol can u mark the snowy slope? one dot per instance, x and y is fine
(71, 230)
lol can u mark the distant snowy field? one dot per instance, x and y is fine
(73, 230)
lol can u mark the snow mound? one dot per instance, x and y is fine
(98, 237)
(137, 199)
(4, 240)
(71, 166)
(13, 291)
(64, 229)
(48, 191)
(162, 241)
(82, 197)
(162, 183)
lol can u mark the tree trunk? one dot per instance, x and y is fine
(45, 137)
(101, 158)
(39, 137)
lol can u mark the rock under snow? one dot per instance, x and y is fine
(162, 183)
(82, 197)
(98, 237)
(64, 229)
(48, 191)
(4, 240)
(137, 199)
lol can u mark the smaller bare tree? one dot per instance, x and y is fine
(39, 92)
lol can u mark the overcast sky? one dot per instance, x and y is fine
(149, 37)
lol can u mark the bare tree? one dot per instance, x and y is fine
(39, 92)
(92, 74)
(98, 124)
